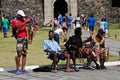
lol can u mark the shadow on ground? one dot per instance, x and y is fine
(61, 67)
(48, 68)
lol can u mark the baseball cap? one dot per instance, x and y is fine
(21, 12)
(101, 31)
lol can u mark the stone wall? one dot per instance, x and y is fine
(30, 7)
(100, 9)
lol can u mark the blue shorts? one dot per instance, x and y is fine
(60, 23)
(5, 30)
(69, 26)
(91, 28)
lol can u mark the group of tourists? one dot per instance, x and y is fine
(74, 45)
(74, 49)
(104, 26)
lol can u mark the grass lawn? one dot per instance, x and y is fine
(36, 56)
(113, 33)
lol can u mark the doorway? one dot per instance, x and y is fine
(60, 7)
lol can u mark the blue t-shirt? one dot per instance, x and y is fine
(60, 19)
(69, 20)
(91, 21)
(106, 25)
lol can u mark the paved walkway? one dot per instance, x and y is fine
(112, 73)
(114, 46)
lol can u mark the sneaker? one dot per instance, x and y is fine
(18, 72)
(76, 68)
(25, 71)
(90, 67)
(103, 67)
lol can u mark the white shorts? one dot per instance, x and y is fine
(106, 30)
(77, 25)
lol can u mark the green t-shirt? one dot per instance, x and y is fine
(5, 23)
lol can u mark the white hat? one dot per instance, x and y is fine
(21, 12)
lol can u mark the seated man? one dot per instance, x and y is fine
(53, 48)
(98, 44)
(74, 44)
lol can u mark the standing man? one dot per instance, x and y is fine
(77, 21)
(60, 19)
(5, 26)
(69, 22)
(91, 23)
(21, 36)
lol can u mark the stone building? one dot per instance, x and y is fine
(45, 10)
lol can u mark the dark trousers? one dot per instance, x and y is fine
(56, 38)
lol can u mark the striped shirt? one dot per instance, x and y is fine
(51, 45)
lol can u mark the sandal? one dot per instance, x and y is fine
(54, 71)
(70, 70)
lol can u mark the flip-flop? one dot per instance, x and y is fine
(70, 70)
(54, 71)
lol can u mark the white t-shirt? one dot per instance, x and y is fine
(77, 21)
(78, 18)
(102, 25)
(58, 31)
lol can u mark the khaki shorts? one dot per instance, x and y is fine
(22, 45)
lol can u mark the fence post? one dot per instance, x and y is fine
(115, 36)
(119, 54)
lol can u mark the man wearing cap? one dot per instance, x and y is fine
(98, 43)
(20, 25)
